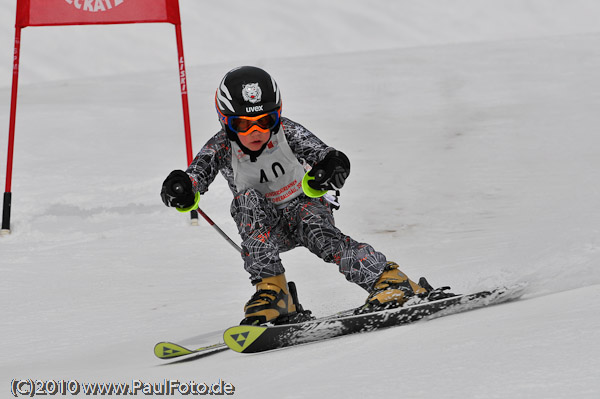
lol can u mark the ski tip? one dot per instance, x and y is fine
(168, 350)
(239, 338)
(507, 293)
(518, 288)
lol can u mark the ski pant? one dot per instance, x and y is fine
(266, 231)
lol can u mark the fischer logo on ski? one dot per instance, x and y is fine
(239, 338)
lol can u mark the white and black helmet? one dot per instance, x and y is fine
(247, 91)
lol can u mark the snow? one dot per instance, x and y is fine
(472, 131)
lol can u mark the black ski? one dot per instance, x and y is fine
(250, 339)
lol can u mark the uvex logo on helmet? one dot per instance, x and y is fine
(94, 5)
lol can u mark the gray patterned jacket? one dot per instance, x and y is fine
(216, 155)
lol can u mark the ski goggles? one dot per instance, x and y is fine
(244, 125)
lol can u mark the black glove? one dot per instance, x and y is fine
(331, 173)
(177, 190)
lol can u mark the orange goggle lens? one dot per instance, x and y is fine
(247, 124)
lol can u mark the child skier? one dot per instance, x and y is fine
(278, 172)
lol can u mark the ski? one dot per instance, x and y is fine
(167, 350)
(251, 339)
(171, 350)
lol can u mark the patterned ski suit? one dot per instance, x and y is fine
(272, 213)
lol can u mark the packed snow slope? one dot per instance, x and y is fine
(475, 162)
(239, 31)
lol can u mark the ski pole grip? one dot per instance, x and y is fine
(192, 207)
(308, 190)
(178, 188)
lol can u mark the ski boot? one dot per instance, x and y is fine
(275, 302)
(392, 289)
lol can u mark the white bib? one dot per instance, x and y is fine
(277, 174)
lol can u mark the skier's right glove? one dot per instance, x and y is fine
(177, 191)
(329, 174)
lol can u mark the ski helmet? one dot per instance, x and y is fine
(247, 91)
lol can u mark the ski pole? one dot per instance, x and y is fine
(221, 232)
(178, 188)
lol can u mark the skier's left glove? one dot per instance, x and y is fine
(331, 173)
(177, 191)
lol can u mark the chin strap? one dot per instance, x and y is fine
(254, 154)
